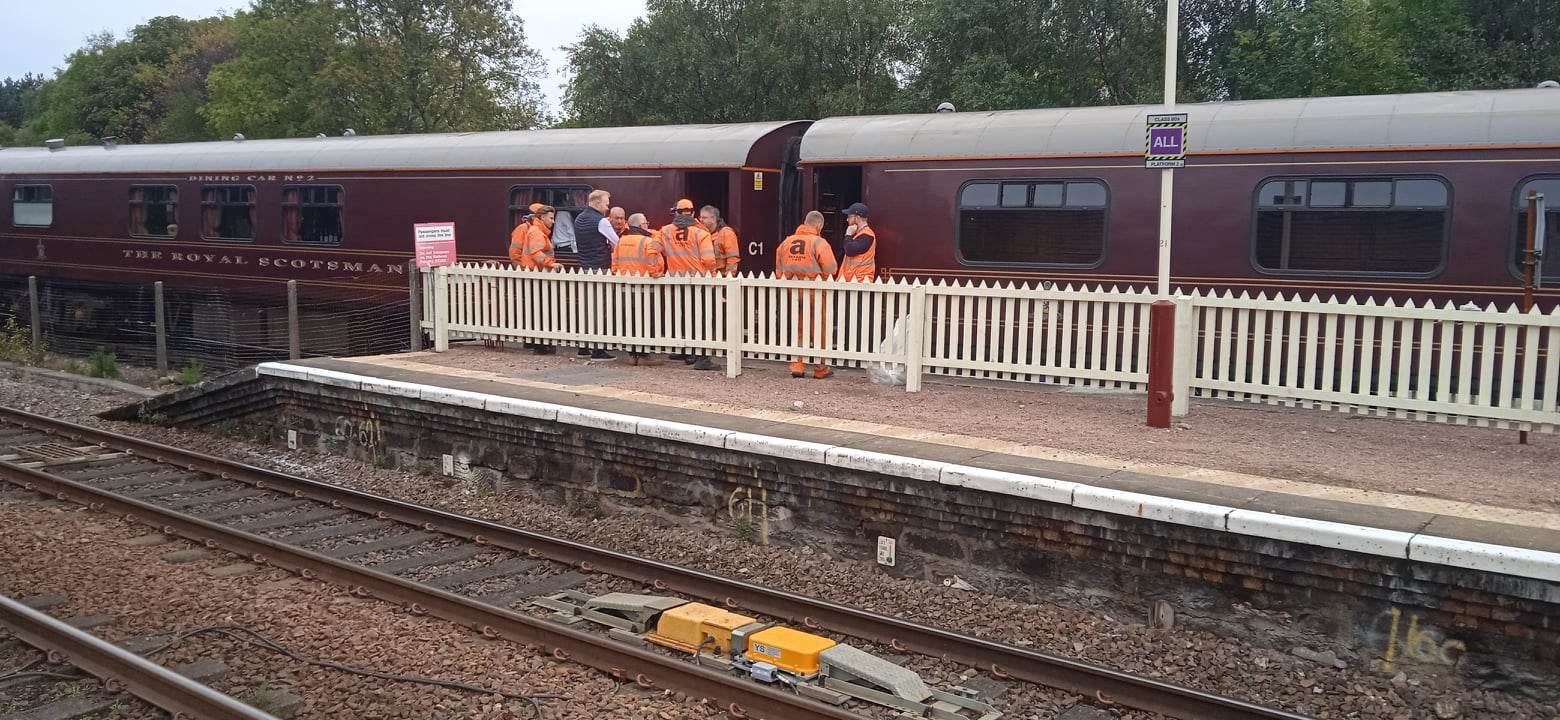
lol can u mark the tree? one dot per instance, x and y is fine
(116, 88)
(267, 88)
(1307, 48)
(19, 99)
(184, 80)
(733, 61)
(989, 55)
(377, 66)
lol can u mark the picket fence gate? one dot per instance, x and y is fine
(1402, 360)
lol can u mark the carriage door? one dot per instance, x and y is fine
(838, 187)
(710, 188)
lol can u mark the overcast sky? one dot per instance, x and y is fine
(38, 35)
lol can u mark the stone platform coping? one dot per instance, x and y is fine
(1405, 541)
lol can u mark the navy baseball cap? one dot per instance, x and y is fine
(857, 209)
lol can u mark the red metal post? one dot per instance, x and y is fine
(1161, 362)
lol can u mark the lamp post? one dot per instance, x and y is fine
(1167, 175)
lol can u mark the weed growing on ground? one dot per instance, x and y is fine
(193, 372)
(103, 364)
(745, 529)
(16, 344)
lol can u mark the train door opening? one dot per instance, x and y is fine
(838, 187)
(790, 189)
(709, 188)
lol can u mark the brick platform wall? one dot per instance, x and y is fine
(1500, 629)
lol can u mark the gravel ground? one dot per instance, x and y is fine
(59, 549)
(1471, 464)
(1081, 625)
(18, 656)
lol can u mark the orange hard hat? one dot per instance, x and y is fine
(535, 207)
(683, 204)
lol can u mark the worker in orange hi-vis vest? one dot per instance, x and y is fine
(639, 252)
(536, 251)
(689, 248)
(728, 249)
(517, 236)
(805, 255)
(860, 257)
(689, 251)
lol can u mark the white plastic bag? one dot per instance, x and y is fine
(894, 344)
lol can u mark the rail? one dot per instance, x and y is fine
(999, 659)
(120, 668)
(1485, 366)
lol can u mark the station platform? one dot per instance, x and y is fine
(1330, 483)
(1302, 511)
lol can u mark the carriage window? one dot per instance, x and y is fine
(32, 206)
(227, 212)
(153, 210)
(1033, 223)
(1352, 226)
(311, 215)
(568, 200)
(1550, 187)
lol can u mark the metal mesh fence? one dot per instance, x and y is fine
(222, 329)
(13, 300)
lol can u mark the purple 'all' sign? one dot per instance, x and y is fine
(1165, 140)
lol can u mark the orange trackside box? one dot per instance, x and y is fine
(790, 650)
(686, 628)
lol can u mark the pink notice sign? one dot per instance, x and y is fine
(435, 244)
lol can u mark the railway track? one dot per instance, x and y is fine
(121, 670)
(471, 571)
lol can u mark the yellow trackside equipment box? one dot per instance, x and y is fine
(687, 627)
(790, 650)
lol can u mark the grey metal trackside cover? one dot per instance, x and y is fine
(721, 146)
(1424, 120)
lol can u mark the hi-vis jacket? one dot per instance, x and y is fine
(688, 252)
(861, 266)
(530, 246)
(638, 254)
(805, 255)
(728, 249)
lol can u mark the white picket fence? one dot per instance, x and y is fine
(1481, 366)
(1443, 364)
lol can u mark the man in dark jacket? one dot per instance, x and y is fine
(594, 238)
(593, 232)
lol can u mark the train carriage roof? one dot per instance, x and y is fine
(694, 146)
(1372, 122)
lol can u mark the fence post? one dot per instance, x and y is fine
(32, 304)
(294, 339)
(915, 341)
(414, 303)
(441, 308)
(1185, 353)
(160, 315)
(736, 325)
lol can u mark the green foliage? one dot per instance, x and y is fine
(103, 363)
(692, 61)
(19, 99)
(118, 88)
(16, 344)
(289, 68)
(193, 372)
(294, 68)
(376, 66)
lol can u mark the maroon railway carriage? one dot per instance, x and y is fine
(337, 212)
(1403, 196)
